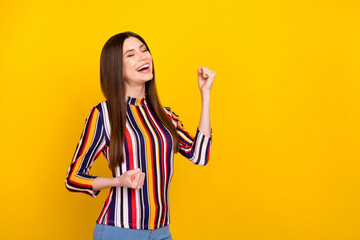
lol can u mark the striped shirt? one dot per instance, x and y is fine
(148, 145)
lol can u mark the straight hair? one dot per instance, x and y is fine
(113, 88)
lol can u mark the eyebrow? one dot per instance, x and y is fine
(133, 49)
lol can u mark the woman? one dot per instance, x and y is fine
(140, 149)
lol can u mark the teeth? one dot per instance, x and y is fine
(142, 67)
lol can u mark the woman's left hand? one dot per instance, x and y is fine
(205, 80)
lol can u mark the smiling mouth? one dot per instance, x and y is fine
(144, 68)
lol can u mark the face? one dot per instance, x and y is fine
(137, 62)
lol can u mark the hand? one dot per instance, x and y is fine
(131, 179)
(205, 80)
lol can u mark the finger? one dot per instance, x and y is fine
(200, 73)
(136, 180)
(132, 177)
(143, 179)
(139, 185)
(208, 71)
(205, 69)
(133, 171)
(210, 74)
(204, 75)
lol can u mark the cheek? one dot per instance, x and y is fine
(150, 57)
(126, 68)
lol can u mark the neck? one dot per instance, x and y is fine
(135, 91)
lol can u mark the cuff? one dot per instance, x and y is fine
(91, 191)
(200, 133)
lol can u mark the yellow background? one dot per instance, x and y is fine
(285, 113)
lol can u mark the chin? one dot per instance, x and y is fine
(142, 78)
(148, 78)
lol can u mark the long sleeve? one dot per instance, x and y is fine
(148, 145)
(91, 143)
(196, 149)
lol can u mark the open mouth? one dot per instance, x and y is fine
(144, 68)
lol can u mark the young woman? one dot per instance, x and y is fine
(138, 137)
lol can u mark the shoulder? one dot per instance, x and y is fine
(167, 110)
(98, 110)
(171, 113)
(101, 106)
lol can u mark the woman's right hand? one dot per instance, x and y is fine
(131, 179)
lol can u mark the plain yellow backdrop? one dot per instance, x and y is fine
(285, 113)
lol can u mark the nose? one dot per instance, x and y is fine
(142, 56)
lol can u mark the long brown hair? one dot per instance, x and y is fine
(113, 88)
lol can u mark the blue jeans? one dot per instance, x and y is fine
(107, 232)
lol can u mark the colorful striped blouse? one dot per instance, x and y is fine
(149, 146)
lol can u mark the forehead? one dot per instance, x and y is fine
(131, 42)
